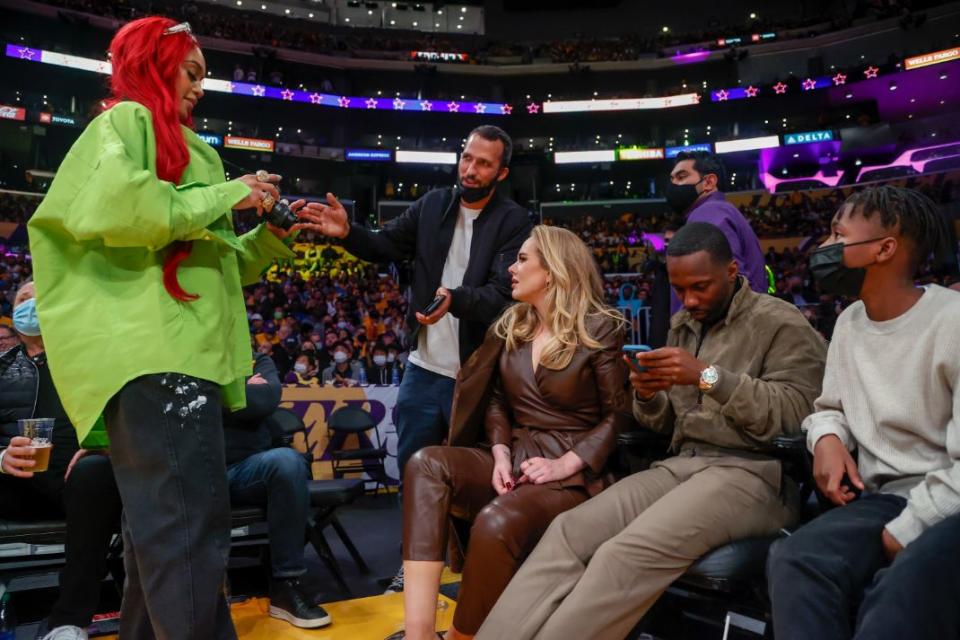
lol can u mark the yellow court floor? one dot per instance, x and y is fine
(372, 618)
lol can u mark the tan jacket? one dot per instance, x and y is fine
(770, 362)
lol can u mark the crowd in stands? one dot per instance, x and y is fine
(275, 32)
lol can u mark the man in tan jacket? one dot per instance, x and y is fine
(740, 368)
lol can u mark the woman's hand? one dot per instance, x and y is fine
(502, 470)
(16, 460)
(543, 470)
(258, 191)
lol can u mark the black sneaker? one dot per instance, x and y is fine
(287, 602)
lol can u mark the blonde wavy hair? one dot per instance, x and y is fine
(574, 295)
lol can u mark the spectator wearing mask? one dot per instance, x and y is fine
(344, 372)
(740, 369)
(882, 564)
(275, 479)
(304, 371)
(379, 372)
(76, 486)
(694, 193)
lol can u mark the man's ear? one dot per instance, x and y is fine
(732, 270)
(710, 181)
(888, 248)
(502, 175)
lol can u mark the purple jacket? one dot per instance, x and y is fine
(715, 210)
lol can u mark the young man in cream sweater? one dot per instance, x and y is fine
(889, 553)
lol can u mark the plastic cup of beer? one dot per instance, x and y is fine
(40, 432)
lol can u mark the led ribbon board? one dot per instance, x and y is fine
(928, 59)
(747, 144)
(673, 152)
(574, 157)
(626, 104)
(426, 157)
(277, 93)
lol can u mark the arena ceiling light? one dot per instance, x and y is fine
(747, 144)
(425, 157)
(575, 157)
(625, 104)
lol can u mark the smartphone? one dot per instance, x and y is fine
(433, 306)
(631, 351)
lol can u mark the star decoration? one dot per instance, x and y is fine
(371, 103)
(809, 84)
(399, 104)
(426, 105)
(344, 102)
(871, 72)
(230, 87)
(752, 91)
(839, 79)
(696, 98)
(533, 107)
(453, 106)
(26, 53)
(286, 94)
(315, 98)
(722, 95)
(480, 107)
(780, 88)
(258, 90)
(506, 109)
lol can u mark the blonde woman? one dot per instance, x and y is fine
(535, 414)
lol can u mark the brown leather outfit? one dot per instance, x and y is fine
(499, 399)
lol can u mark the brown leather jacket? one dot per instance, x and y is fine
(588, 397)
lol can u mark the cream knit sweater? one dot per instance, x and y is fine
(891, 390)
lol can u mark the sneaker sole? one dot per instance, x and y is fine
(280, 614)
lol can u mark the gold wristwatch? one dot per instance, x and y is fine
(709, 378)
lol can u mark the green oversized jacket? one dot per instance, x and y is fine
(98, 242)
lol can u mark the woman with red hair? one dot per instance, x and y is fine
(139, 214)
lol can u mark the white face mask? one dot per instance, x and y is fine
(339, 357)
(379, 360)
(300, 367)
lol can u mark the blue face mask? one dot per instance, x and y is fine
(25, 318)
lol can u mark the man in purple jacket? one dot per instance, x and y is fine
(694, 193)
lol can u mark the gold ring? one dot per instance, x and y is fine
(263, 176)
(268, 201)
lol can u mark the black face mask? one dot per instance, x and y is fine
(475, 194)
(680, 197)
(834, 278)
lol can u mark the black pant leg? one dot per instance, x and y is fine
(817, 576)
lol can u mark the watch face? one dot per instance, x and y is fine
(710, 376)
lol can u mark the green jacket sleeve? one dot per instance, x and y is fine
(258, 249)
(124, 204)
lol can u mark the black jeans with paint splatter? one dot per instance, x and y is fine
(166, 443)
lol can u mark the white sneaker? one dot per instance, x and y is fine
(396, 585)
(67, 633)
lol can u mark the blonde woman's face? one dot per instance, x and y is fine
(530, 278)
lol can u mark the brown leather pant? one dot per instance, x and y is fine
(440, 482)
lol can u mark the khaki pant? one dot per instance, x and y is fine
(602, 565)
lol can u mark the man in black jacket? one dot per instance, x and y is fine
(275, 478)
(461, 241)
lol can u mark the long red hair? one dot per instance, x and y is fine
(146, 64)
